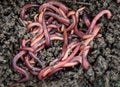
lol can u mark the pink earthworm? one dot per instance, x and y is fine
(86, 20)
(97, 17)
(18, 69)
(23, 10)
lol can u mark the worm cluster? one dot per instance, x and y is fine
(55, 21)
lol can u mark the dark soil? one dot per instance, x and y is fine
(104, 57)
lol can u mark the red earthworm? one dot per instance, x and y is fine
(97, 17)
(62, 13)
(18, 69)
(33, 41)
(55, 21)
(52, 72)
(60, 5)
(78, 11)
(85, 62)
(36, 58)
(61, 29)
(36, 30)
(36, 17)
(41, 16)
(78, 33)
(24, 47)
(52, 32)
(86, 36)
(23, 10)
(53, 27)
(47, 36)
(64, 48)
(44, 29)
(73, 24)
(34, 72)
(69, 48)
(40, 48)
(59, 18)
(74, 61)
(34, 24)
(40, 77)
(52, 37)
(49, 20)
(38, 36)
(27, 49)
(69, 58)
(86, 20)
(49, 6)
(94, 33)
(24, 42)
(118, 1)
(65, 36)
(54, 62)
(49, 69)
(27, 63)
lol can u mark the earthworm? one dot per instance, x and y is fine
(23, 10)
(54, 71)
(51, 73)
(64, 48)
(59, 18)
(78, 33)
(37, 59)
(52, 37)
(25, 47)
(73, 24)
(29, 65)
(69, 48)
(35, 40)
(77, 13)
(50, 6)
(36, 17)
(34, 24)
(85, 62)
(34, 72)
(60, 5)
(41, 34)
(94, 33)
(74, 61)
(55, 21)
(62, 13)
(86, 20)
(49, 20)
(97, 17)
(118, 1)
(18, 69)
(47, 36)
(40, 77)
(24, 42)
(49, 69)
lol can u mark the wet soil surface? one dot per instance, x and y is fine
(104, 57)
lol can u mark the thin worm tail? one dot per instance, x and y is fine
(86, 20)
(97, 17)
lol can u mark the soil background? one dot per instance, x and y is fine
(104, 57)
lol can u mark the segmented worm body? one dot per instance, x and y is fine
(55, 21)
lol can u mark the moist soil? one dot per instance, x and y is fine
(104, 56)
